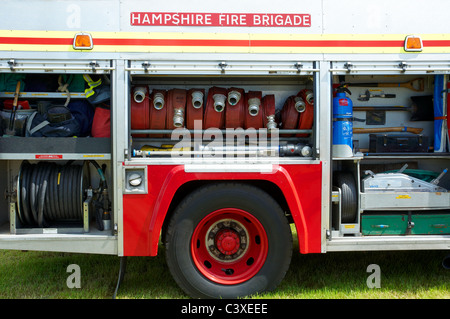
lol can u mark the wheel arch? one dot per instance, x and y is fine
(190, 186)
(297, 188)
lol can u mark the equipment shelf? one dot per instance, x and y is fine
(52, 148)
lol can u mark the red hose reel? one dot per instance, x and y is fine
(214, 116)
(298, 112)
(253, 112)
(223, 108)
(235, 113)
(307, 116)
(140, 116)
(158, 111)
(194, 107)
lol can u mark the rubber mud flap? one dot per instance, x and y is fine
(158, 113)
(194, 107)
(253, 112)
(212, 118)
(140, 116)
(234, 110)
(307, 117)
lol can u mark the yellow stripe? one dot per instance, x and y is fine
(217, 36)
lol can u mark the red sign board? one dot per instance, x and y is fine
(220, 19)
(48, 156)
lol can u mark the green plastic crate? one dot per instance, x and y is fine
(421, 224)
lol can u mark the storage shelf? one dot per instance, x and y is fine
(405, 155)
(55, 148)
(47, 95)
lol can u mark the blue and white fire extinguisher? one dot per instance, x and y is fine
(342, 123)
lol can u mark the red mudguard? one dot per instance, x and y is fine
(144, 215)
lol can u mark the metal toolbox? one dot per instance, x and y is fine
(398, 143)
(398, 191)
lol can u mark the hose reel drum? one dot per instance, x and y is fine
(58, 195)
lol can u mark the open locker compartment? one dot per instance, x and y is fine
(222, 110)
(49, 145)
(400, 147)
(55, 197)
(42, 101)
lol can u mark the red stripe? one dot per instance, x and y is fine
(222, 43)
(436, 43)
(172, 42)
(39, 41)
(248, 43)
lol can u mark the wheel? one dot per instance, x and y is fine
(346, 182)
(228, 241)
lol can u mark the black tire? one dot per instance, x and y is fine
(346, 182)
(204, 202)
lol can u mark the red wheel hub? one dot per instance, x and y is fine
(227, 241)
(229, 246)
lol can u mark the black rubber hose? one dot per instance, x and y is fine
(24, 192)
(42, 194)
(33, 190)
(50, 192)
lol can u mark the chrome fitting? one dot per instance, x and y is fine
(158, 101)
(219, 102)
(139, 94)
(197, 99)
(253, 106)
(178, 117)
(234, 97)
(300, 105)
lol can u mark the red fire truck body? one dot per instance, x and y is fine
(217, 133)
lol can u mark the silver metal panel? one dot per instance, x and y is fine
(222, 67)
(404, 200)
(55, 66)
(73, 243)
(119, 135)
(384, 17)
(389, 67)
(99, 15)
(377, 243)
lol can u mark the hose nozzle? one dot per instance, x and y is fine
(197, 99)
(139, 94)
(178, 117)
(271, 125)
(234, 97)
(253, 106)
(158, 101)
(219, 102)
(300, 105)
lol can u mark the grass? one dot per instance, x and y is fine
(404, 275)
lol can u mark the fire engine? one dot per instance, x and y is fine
(217, 132)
